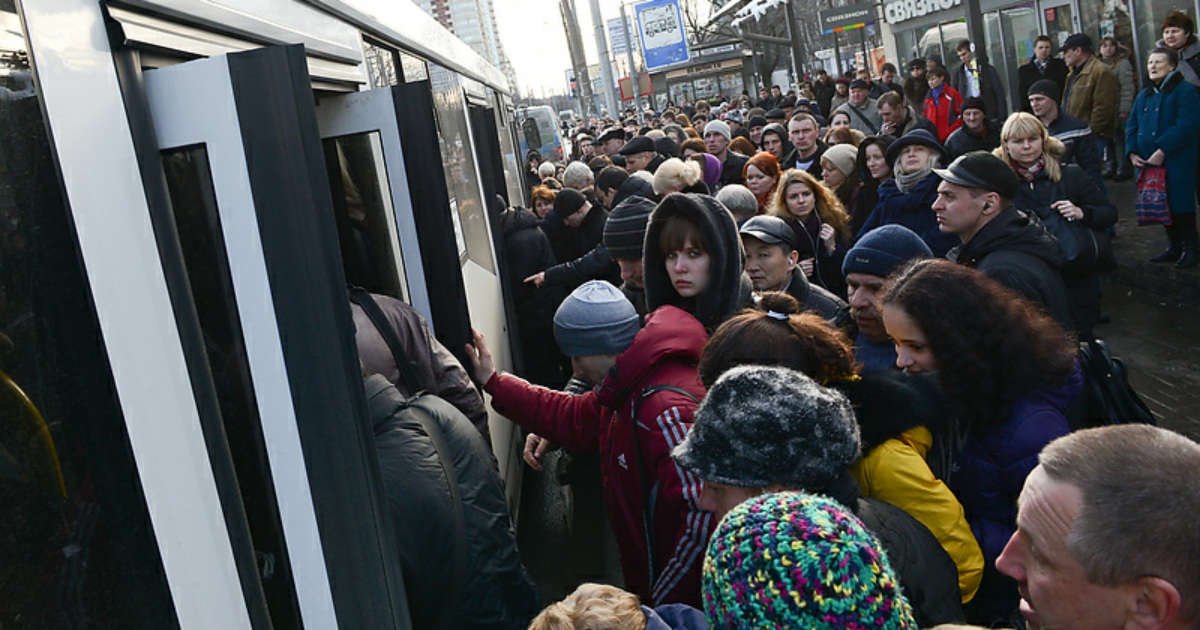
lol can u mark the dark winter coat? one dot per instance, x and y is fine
(913, 210)
(990, 472)
(1017, 252)
(827, 266)
(665, 352)
(731, 170)
(597, 264)
(1189, 61)
(1168, 118)
(991, 90)
(821, 301)
(528, 251)
(436, 369)
(963, 140)
(1081, 145)
(928, 577)
(634, 185)
(458, 548)
(1092, 94)
(1098, 214)
(914, 121)
(915, 91)
(728, 289)
(824, 91)
(1028, 74)
(792, 158)
(571, 243)
(781, 132)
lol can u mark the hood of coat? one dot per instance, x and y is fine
(516, 219)
(1192, 50)
(780, 131)
(889, 402)
(670, 334)
(725, 291)
(1011, 230)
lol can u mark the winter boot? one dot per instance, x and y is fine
(1191, 241)
(1174, 250)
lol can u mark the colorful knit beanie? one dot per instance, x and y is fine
(796, 560)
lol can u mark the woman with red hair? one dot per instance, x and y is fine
(761, 174)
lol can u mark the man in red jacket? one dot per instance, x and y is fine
(643, 408)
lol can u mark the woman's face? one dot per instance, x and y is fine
(800, 200)
(842, 89)
(541, 207)
(1107, 49)
(688, 269)
(935, 81)
(1175, 37)
(914, 158)
(1025, 151)
(877, 163)
(1158, 66)
(831, 175)
(840, 119)
(773, 144)
(758, 182)
(912, 347)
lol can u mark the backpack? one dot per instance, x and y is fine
(1107, 398)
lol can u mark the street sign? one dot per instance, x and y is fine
(847, 18)
(660, 30)
(616, 36)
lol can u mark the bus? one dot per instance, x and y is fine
(184, 440)
(539, 132)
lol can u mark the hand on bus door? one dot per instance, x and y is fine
(537, 279)
(480, 357)
(535, 447)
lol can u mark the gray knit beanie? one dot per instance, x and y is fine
(760, 426)
(718, 126)
(595, 319)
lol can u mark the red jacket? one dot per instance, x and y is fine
(665, 352)
(945, 112)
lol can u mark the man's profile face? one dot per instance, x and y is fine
(958, 211)
(964, 55)
(638, 161)
(1055, 591)
(864, 305)
(892, 115)
(612, 146)
(631, 271)
(1042, 105)
(887, 76)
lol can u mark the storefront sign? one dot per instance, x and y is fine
(898, 11)
(703, 68)
(716, 50)
(660, 28)
(847, 18)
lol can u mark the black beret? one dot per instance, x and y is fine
(639, 144)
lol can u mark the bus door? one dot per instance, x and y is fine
(433, 217)
(246, 176)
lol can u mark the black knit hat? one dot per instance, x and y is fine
(625, 229)
(760, 426)
(757, 121)
(568, 201)
(859, 84)
(1046, 87)
(916, 63)
(983, 170)
(666, 147)
(974, 102)
(775, 113)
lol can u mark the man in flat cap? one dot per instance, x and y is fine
(864, 115)
(611, 141)
(974, 203)
(638, 152)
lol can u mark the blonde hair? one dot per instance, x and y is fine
(1026, 125)
(828, 207)
(675, 175)
(593, 607)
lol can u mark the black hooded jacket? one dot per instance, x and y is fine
(528, 252)
(780, 131)
(1018, 253)
(728, 289)
(634, 185)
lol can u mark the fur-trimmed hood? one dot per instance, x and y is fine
(888, 402)
(728, 289)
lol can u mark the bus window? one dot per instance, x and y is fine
(362, 202)
(77, 548)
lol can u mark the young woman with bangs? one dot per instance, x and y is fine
(762, 176)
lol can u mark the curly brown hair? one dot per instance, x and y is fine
(828, 207)
(992, 345)
(777, 333)
(695, 144)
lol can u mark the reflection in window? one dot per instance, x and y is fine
(381, 64)
(76, 545)
(462, 182)
(508, 151)
(414, 68)
(198, 224)
(362, 204)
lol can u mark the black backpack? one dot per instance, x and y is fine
(1107, 398)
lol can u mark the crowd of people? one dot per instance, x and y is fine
(826, 347)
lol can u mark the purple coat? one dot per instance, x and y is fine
(991, 469)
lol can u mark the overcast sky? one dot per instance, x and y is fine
(533, 35)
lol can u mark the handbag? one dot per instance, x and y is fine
(1107, 398)
(1086, 252)
(1150, 202)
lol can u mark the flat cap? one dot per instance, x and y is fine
(638, 144)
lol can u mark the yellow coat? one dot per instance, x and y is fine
(896, 472)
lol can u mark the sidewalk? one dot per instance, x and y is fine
(1135, 245)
